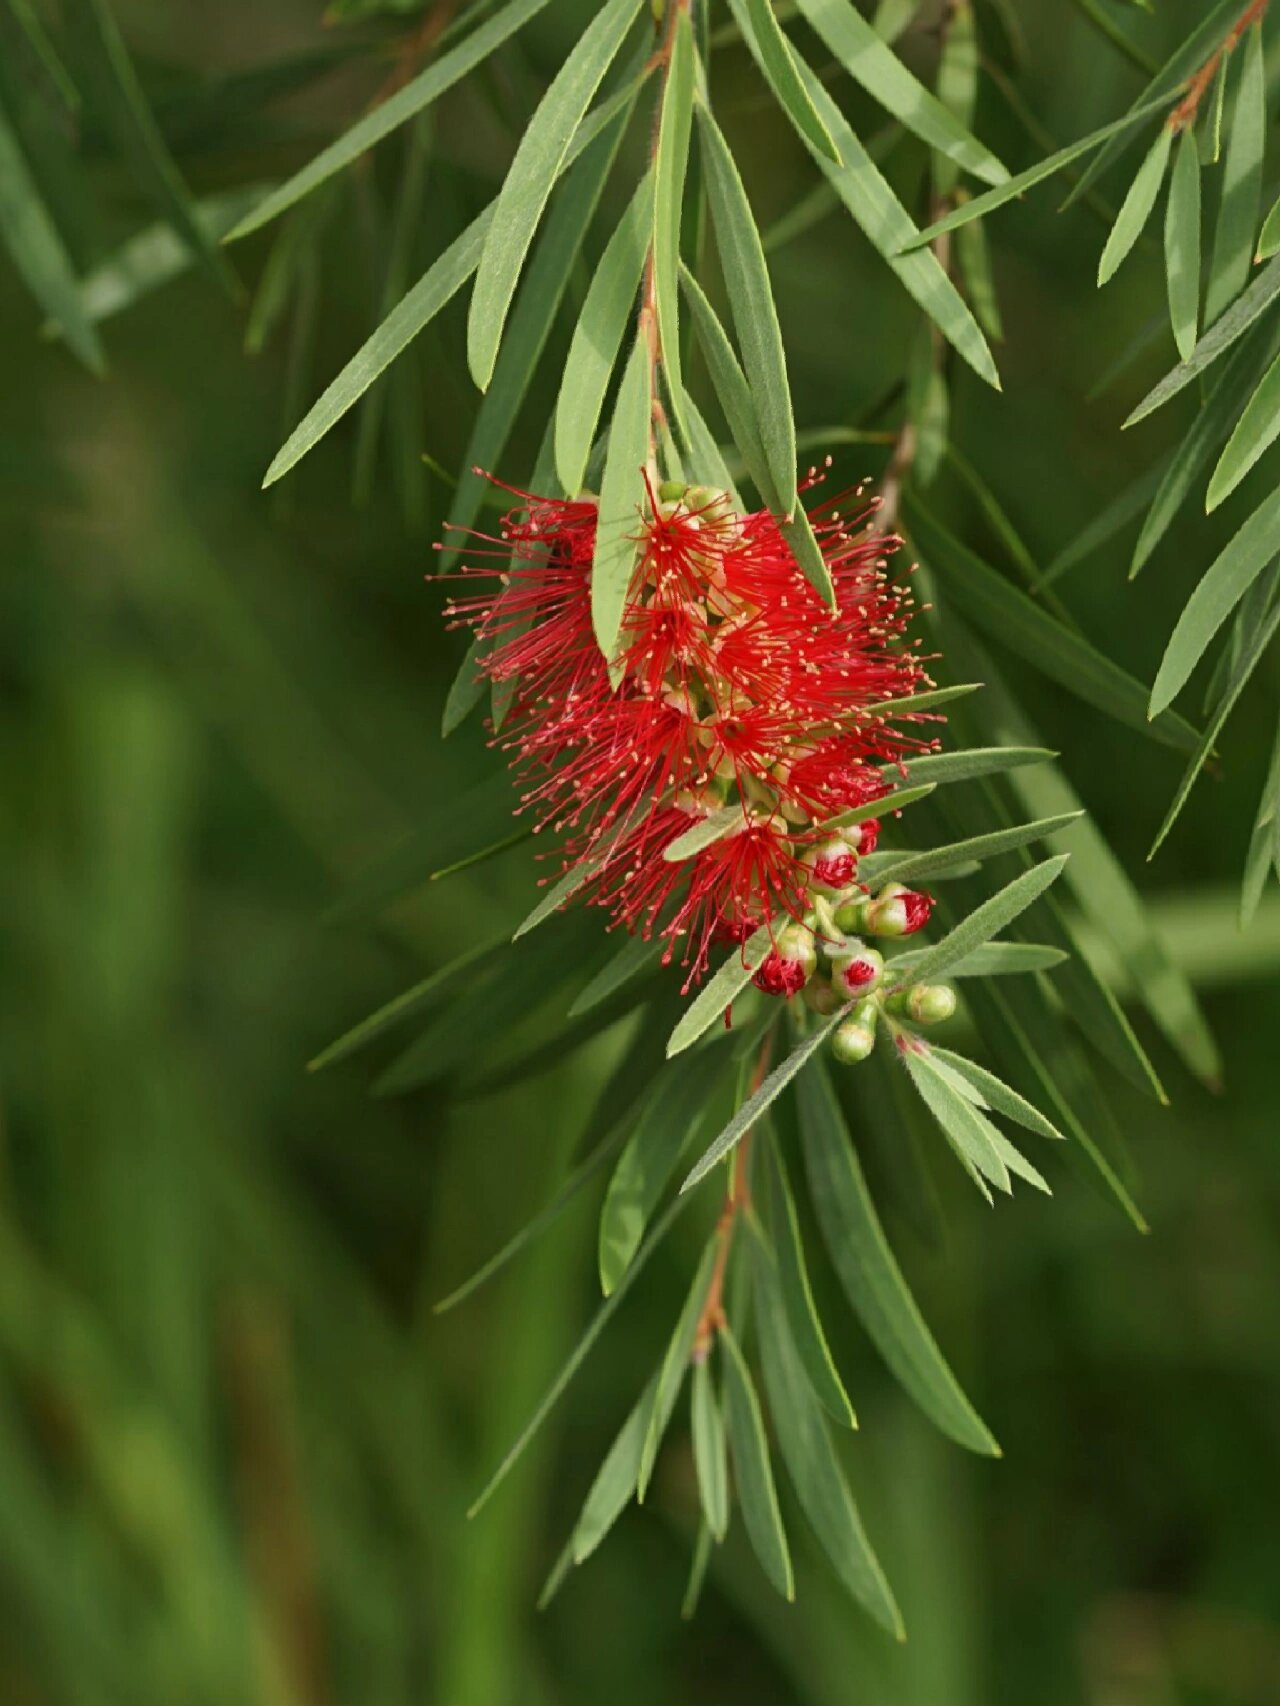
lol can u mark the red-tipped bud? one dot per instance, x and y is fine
(897, 911)
(790, 963)
(854, 1040)
(861, 837)
(834, 866)
(857, 972)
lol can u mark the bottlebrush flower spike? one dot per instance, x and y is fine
(736, 685)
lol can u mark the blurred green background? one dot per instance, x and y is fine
(236, 1446)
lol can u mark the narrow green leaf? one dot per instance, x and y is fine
(973, 256)
(753, 1472)
(1129, 502)
(777, 61)
(111, 86)
(598, 336)
(405, 1006)
(997, 1093)
(870, 1275)
(1223, 585)
(933, 697)
(1269, 236)
(1014, 619)
(1255, 433)
(704, 832)
(1264, 843)
(1257, 639)
(710, 1462)
(381, 120)
(1211, 122)
(635, 957)
(1107, 27)
(731, 388)
(870, 62)
(755, 317)
(708, 466)
(1234, 233)
(1182, 244)
(37, 251)
(615, 1482)
(1136, 207)
(811, 1459)
(1233, 324)
(992, 959)
(467, 688)
(698, 1563)
(915, 867)
(936, 768)
(671, 163)
(990, 199)
(622, 495)
(987, 920)
(957, 87)
(646, 1164)
(539, 159)
(965, 1128)
(755, 1104)
(806, 1331)
(799, 535)
(718, 993)
(578, 1356)
(885, 804)
(674, 1365)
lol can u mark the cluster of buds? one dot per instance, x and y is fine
(825, 958)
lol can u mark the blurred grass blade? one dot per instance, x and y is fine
(597, 338)
(1255, 432)
(973, 257)
(717, 995)
(414, 97)
(796, 1294)
(988, 919)
(1136, 207)
(539, 160)
(634, 957)
(674, 1366)
(1009, 616)
(111, 87)
(754, 315)
(37, 251)
(763, 1098)
(870, 62)
(1241, 202)
(997, 1093)
(916, 867)
(867, 1270)
(710, 1462)
(753, 1473)
(670, 165)
(776, 60)
(622, 500)
(1110, 520)
(1182, 244)
(1221, 588)
(811, 1459)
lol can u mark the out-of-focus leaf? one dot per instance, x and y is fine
(413, 98)
(467, 688)
(702, 1548)
(598, 337)
(1255, 432)
(756, 1104)
(1107, 27)
(811, 1459)
(988, 919)
(405, 1006)
(717, 995)
(892, 17)
(674, 1365)
(1136, 207)
(1223, 585)
(1182, 244)
(777, 61)
(710, 1462)
(622, 496)
(806, 1331)
(1014, 619)
(973, 257)
(753, 1472)
(870, 62)
(37, 251)
(635, 957)
(957, 87)
(1233, 235)
(614, 1484)
(1264, 843)
(997, 1093)
(670, 166)
(755, 317)
(870, 1275)
(915, 867)
(1128, 503)
(110, 85)
(539, 159)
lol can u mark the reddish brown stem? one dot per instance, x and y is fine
(1184, 114)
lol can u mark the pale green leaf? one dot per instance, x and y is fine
(622, 497)
(998, 1094)
(1269, 236)
(1136, 207)
(710, 1462)
(1255, 432)
(966, 1129)
(753, 1472)
(916, 867)
(670, 165)
(992, 959)
(776, 59)
(1234, 233)
(705, 832)
(1182, 244)
(963, 765)
(720, 990)
(987, 920)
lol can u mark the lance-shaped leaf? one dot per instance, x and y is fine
(755, 317)
(992, 959)
(996, 1093)
(1255, 432)
(811, 1459)
(1269, 236)
(1182, 244)
(1136, 207)
(935, 768)
(868, 1271)
(635, 958)
(777, 61)
(670, 165)
(763, 1098)
(916, 867)
(970, 1135)
(1264, 843)
(597, 338)
(870, 62)
(987, 920)
(1241, 199)
(717, 995)
(1223, 585)
(37, 251)
(467, 688)
(707, 464)
(416, 95)
(622, 497)
(1110, 520)
(614, 1484)
(716, 826)
(1017, 621)
(710, 1459)
(411, 1002)
(539, 160)
(753, 1472)
(674, 1365)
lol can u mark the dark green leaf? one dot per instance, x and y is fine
(467, 688)
(992, 959)
(752, 1470)
(674, 1365)
(1233, 235)
(1264, 843)
(635, 957)
(615, 1482)
(407, 1005)
(710, 1462)
(1255, 432)
(1182, 244)
(670, 166)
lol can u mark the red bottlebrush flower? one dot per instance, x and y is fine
(735, 685)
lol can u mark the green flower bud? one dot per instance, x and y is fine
(821, 997)
(931, 1003)
(854, 1040)
(857, 970)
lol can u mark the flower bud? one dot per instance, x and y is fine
(857, 971)
(821, 998)
(834, 865)
(790, 963)
(861, 837)
(849, 915)
(897, 911)
(854, 1040)
(924, 1003)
